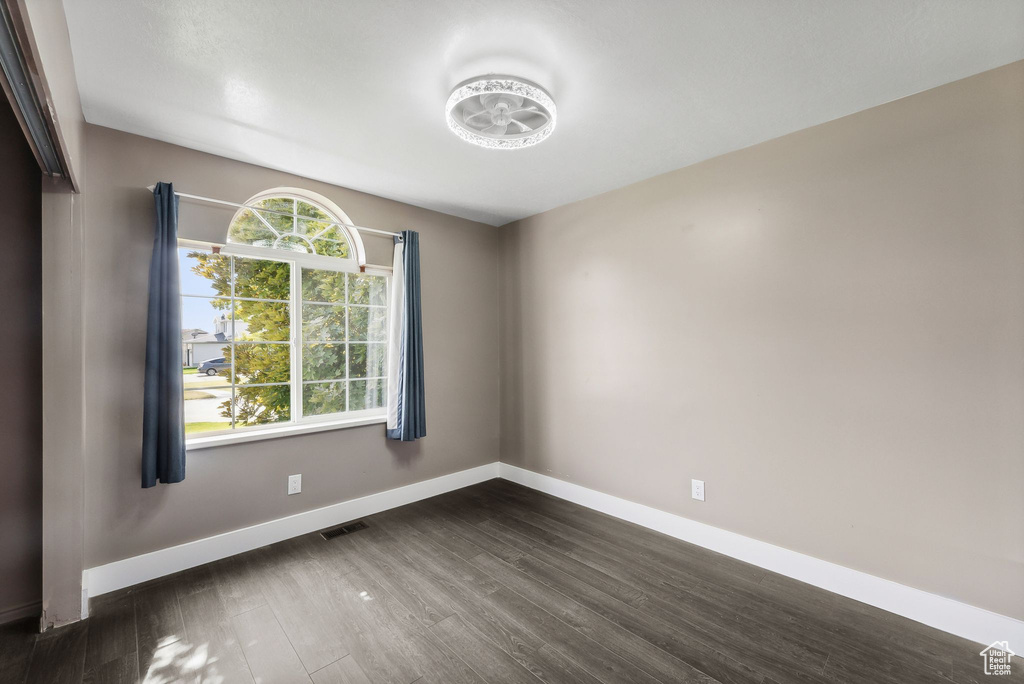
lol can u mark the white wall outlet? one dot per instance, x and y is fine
(697, 489)
(294, 484)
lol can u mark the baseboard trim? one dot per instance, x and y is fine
(25, 610)
(130, 571)
(977, 624)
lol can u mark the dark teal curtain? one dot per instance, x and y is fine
(163, 425)
(412, 412)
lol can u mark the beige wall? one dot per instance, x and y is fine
(231, 487)
(827, 328)
(63, 401)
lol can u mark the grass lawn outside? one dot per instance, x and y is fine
(192, 428)
(189, 371)
(196, 394)
(213, 382)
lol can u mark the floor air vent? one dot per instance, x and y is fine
(347, 528)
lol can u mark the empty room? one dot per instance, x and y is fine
(543, 342)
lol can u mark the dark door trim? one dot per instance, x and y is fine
(23, 81)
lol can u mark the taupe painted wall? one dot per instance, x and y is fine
(21, 401)
(63, 401)
(231, 487)
(827, 328)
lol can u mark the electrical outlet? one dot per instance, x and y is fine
(294, 484)
(697, 489)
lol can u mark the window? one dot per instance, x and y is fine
(292, 224)
(280, 326)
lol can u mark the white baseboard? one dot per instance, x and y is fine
(130, 571)
(961, 619)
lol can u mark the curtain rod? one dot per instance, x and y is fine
(279, 213)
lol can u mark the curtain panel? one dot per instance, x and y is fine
(163, 425)
(407, 417)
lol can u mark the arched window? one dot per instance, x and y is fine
(281, 328)
(298, 221)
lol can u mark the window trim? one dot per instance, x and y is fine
(342, 220)
(255, 433)
(303, 424)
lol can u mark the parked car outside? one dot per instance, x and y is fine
(214, 366)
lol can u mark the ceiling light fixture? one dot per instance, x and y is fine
(500, 112)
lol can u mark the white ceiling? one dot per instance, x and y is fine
(352, 92)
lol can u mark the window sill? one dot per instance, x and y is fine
(251, 435)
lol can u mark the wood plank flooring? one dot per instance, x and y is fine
(492, 583)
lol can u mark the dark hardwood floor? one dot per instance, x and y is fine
(493, 583)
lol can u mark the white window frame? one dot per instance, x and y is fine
(297, 424)
(358, 252)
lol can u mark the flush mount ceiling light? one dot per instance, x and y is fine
(500, 112)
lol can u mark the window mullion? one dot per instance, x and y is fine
(231, 276)
(348, 352)
(295, 340)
